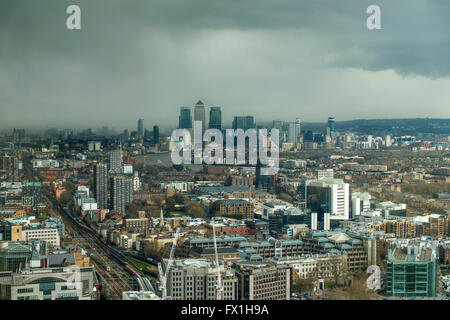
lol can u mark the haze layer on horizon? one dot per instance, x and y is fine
(281, 59)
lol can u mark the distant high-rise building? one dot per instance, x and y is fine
(309, 136)
(277, 124)
(244, 123)
(140, 129)
(215, 118)
(121, 193)
(185, 119)
(292, 137)
(101, 185)
(298, 128)
(117, 194)
(360, 202)
(155, 134)
(94, 146)
(115, 161)
(147, 134)
(129, 189)
(125, 136)
(329, 195)
(200, 113)
(388, 141)
(11, 165)
(331, 124)
(18, 134)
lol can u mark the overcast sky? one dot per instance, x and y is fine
(274, 59)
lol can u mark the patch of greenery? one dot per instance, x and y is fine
(176, 213)
(140, 264)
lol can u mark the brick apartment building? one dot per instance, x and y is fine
(236, 208)
(136, 225)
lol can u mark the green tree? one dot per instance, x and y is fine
(132, 210)
(303, 285)
(65, 198)
(170, 203)
(194, 209)
(180, 198)
(69, 186)
(151, 250)
(157, 201)
(87, 218)
(152, 171)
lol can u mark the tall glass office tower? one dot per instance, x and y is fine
(243, 123)
(200, 113)
(215, 118)
(185, 119)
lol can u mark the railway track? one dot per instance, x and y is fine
(117, 273)
(113, 275)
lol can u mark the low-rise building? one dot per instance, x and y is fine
(204, 242)
(315, 266)
(196, 279)
(137, 225)
(125, 242)
(389, 208)
(237, 208)
(66, 283)
(29, 272)
(360, 250)
(223, 253)
(262, 281)
(402, 228)
(49, 235)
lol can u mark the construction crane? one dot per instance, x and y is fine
(163, 276)
(219, 278)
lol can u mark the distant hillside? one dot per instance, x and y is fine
(397, 126)
(382, 126)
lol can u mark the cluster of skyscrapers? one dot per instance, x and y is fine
(121, 186)
(141, 135)
(215, 116)
(185, 120)
(289, 131)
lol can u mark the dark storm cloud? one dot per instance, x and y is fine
(133, 58)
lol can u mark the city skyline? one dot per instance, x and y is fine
(315, 126)
(225, 155)
(245, 57)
